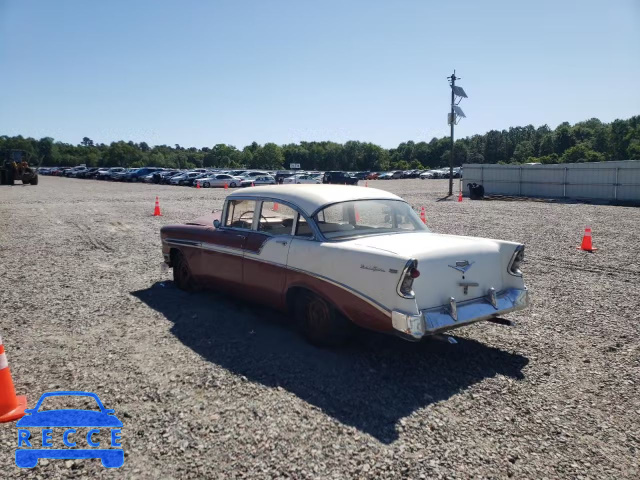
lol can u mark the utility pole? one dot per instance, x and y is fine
(456, 112)
(452, 123)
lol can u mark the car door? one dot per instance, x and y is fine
(223, 247)
(266, 251)
(222, 179)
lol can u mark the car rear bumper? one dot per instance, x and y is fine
(457, 314)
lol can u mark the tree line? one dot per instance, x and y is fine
(587, 141)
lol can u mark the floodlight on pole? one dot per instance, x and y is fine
(453, 119)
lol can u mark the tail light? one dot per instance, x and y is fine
(516, 261)
(405, 285)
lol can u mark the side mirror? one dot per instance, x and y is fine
(216, 223)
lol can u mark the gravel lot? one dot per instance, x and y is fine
(208, 386)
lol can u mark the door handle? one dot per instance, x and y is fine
(282, 242)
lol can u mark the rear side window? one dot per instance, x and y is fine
(276, 218)
(240, 213)
(302, 228)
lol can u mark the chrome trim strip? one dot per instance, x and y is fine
(180, 242)
(358, 294)
(212, 247)
(262, 260)
(255, 257)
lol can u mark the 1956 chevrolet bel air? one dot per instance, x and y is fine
(335, 255)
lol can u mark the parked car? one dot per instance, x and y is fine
(250, 175)
(302, 178)
(165, 177)
(159, 175)
(372, 176)
(137, 174)
(57, 171)
(340, 178)
(263, 180)
(334, 256)
(426, 175)
(220, 180)
(104, 173)
(280, 175)
(183, 178)
(91, 173)
(385, 176)
(73, 172)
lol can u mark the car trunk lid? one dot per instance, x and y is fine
(449, 265)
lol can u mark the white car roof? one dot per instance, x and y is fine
(310, 198)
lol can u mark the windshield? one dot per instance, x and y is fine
(367, 217)
(67, 402)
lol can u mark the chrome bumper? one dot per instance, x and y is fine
(454, 315)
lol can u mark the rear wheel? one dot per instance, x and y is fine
(232, 184)
(320, 323)
(182, 275)
(34, 180)
(206, 184)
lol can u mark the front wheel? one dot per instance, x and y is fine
(320, 323)
(232, 184)
(182, 275)
(206, 184)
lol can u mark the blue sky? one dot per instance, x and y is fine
(200, 73)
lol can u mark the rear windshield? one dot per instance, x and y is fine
(367, 217)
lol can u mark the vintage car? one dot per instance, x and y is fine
(337, 255)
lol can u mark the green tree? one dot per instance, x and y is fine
(563, 138)
(581, 153)
(546, 145)
(269, 156)
(523, 151)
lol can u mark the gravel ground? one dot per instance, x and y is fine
(208, 386)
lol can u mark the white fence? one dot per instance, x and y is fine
(617, 181)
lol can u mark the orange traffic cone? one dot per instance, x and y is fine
(156, 211)
(226, 186)
(197, 184)
(460, 196)
(11, 406)
(253, 184)
(366, 184)
(586, 241)
(423, 216)
(276, 207)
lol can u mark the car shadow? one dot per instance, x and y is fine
(371, 384)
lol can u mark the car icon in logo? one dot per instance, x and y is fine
(27, 456)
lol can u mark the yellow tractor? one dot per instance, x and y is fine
(15, 166)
